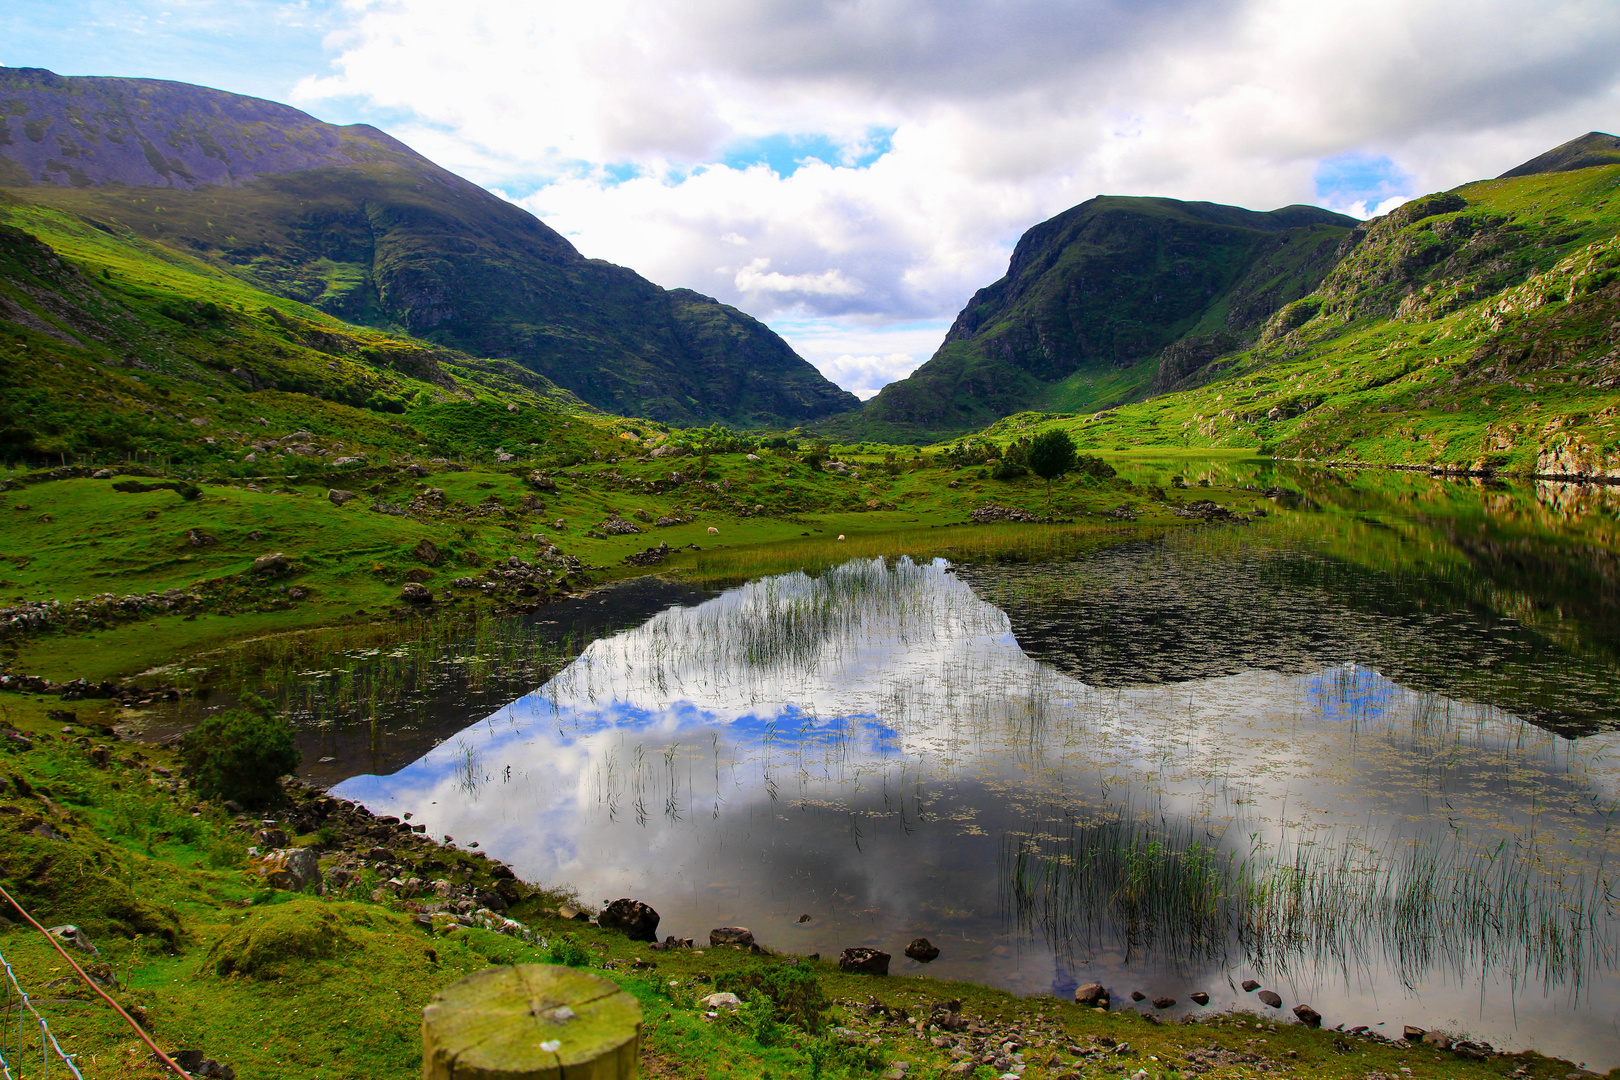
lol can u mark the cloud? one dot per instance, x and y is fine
(876, 161)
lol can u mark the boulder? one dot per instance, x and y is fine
(864, 961)
(727, 1001)
(337, 496)
(1272, 998)
(1164, 1002)
(1199, 997)
(273, 563)
(1137, 995)
(542, 481)
(414, 592)
(1413, 1033)
(1250, 986)
(198, 538)
(636, 920)
(270, 838)
(1091, 994)
(1308, 1016)
(739, 936)
(923, 951)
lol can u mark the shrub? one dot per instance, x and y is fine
(793, 991)
(241, 754)
(563, 949)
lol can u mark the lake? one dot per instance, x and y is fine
(1361, 750)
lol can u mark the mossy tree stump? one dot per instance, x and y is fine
(531, 1022)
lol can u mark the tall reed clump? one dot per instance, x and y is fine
(1417, 907)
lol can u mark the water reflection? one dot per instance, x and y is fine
(875, 747)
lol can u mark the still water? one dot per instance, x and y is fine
(1385, 786)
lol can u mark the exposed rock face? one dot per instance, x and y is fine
(430, 251)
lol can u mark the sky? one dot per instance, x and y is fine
(851, 171)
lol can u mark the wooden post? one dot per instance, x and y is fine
(531, 1022)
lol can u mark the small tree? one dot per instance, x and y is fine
(1049, 457)
(241, 754)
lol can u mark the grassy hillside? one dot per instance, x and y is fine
(357, 225)
(1476, 329)
(1110, 300)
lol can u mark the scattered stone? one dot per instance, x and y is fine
(414, 592)
(294, 869)
(428, 552)
(1091, 995)
(198, 538)
(636, 920)
(614, 525)
(1308, 1016)
(270, 838)
(1120, 513)
(1137, 995)
(101, 474)
(651, 557)
(727, 1001)
(923, 951)
(1250, 986)
(1003, 513)
(1412, 1033)
(542, 481)
(739, 936)
(1164, 1002)
(1199, 997)
(337, 496)
(864, 961)
(1272, 998)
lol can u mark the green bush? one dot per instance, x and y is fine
(793, 991)
(241, 754)
(563, 949)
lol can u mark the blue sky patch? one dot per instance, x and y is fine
(1360, 178)
(785, 154)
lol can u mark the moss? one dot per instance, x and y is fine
(272, 941)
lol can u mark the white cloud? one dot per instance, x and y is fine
(993, 114)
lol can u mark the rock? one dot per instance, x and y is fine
(272, 564)
(727, 1001)
(642, 515)
(302, 865)
(864, 961)
(505, 459)
(923, 951)
(270, 838)
(542, 481)
(1435, 1038)
(492, 900)
(615, 525)
(1412, 1033)
(897, 1070)
(101, 474)
(337, 496)
(961, 1068)
(297, 593)
(198, 538)
(414, 592)
(379, 854)
(993, 512)
(69, 934)
(635, 920)
(653, 556)
(731, 935)
(1272, 998)
(428, 552)
(1308, 1016)
(1164, 1002)
(1137, 995)
(1250, 986)
(1091, 994)
(1199, 997)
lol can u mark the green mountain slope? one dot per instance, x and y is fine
(1112, 299)
(115, 348)
(1476, 329)
(356, 224)
(1593, 148)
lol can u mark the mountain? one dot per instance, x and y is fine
(1593, 148)
(1112, 299)
(358, 225)
(1474, 329)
